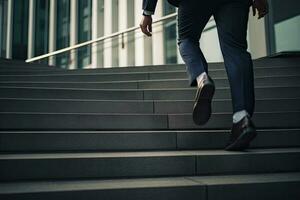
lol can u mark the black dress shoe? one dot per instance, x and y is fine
(204, 96)
(242, 133)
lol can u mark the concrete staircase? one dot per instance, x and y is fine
(127, 133)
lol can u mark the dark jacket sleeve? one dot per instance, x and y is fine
(149, 5)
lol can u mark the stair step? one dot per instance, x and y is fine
(6, 69)
(126, 189)
(154, 75)
(77, 106)
(222, 120)
(135, 106)
(267, 138)
(225, 105)
(140, 94)
(34, 70)
(145, 164)
(260, 63)
(221, 93)
(27, 69)
(45, 141)
(152, 84)
(289, 61)
(248, 187)
(266, 186)
(92, 121)
(212, 65)
(18, 64)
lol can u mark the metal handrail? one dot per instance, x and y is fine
(77, 46)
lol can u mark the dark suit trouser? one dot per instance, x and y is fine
(231, 17)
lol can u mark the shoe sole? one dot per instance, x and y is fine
(202, 106)
(243, 141)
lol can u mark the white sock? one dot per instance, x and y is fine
(238, 116)
(200, 77)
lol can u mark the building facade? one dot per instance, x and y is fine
(30, 28)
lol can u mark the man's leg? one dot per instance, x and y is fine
(232, 19)
(193, 15)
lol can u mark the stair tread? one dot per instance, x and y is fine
(141, 131)
(113, 73)
(136, 121)
(138, 114)
(150, 80)
(134, 100)
(87, 155)
(92, 72)
(202, 181)
(149, 140)
(247, 178)
(134, 90)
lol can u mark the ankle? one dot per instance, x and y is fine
(200, 77)
(238, 116)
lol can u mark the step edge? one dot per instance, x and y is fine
(147, 154)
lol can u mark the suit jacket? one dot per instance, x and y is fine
(149, 5)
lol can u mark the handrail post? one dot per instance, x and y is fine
(73, 37)
(52, 32)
